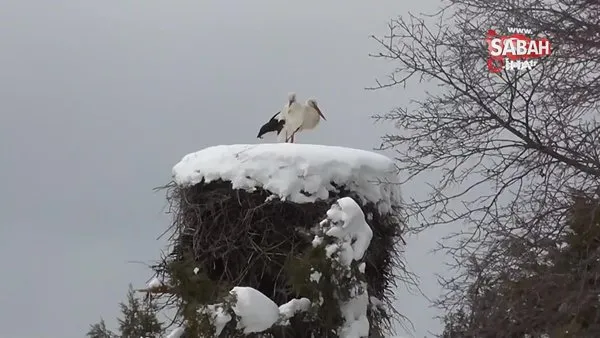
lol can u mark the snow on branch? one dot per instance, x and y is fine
(346, 236)
(250, 310)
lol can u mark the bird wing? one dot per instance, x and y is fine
(272, 118)
(274, 124)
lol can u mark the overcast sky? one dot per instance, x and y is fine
(100, 99)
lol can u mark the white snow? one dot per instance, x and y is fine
(331, 249)
(315, 276)
(176, 333)
(221, 319)
(154, 283)
(362, 267)
(291, 308)
(257, 312)
(317, 241)
(292, 171)
(354, 311)
(218, 316)
(348, 225)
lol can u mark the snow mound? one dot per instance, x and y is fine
(294, 306)
(154, 283)
(256, 311)
(349, 226)
(301, 173)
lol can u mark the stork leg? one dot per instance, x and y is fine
(294, 133)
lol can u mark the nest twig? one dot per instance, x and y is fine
(235, 237)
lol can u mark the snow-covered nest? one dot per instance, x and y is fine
(244, 213)
(299, 173)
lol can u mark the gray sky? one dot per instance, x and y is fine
(101, 98)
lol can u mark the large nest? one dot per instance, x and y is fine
(235, 237)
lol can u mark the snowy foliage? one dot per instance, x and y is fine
(351, 236)
(345, 236)
(346, 222)
(154, 283)
(256, 311)
(301, 173)
(252, 310)
(217, 316)
(293, 307)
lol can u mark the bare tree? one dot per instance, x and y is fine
(511, 148)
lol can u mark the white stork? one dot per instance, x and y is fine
(294, 117)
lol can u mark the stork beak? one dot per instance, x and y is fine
(319, 111)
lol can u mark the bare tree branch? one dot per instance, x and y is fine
(510, 149)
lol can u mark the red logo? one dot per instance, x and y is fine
(515, 51)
